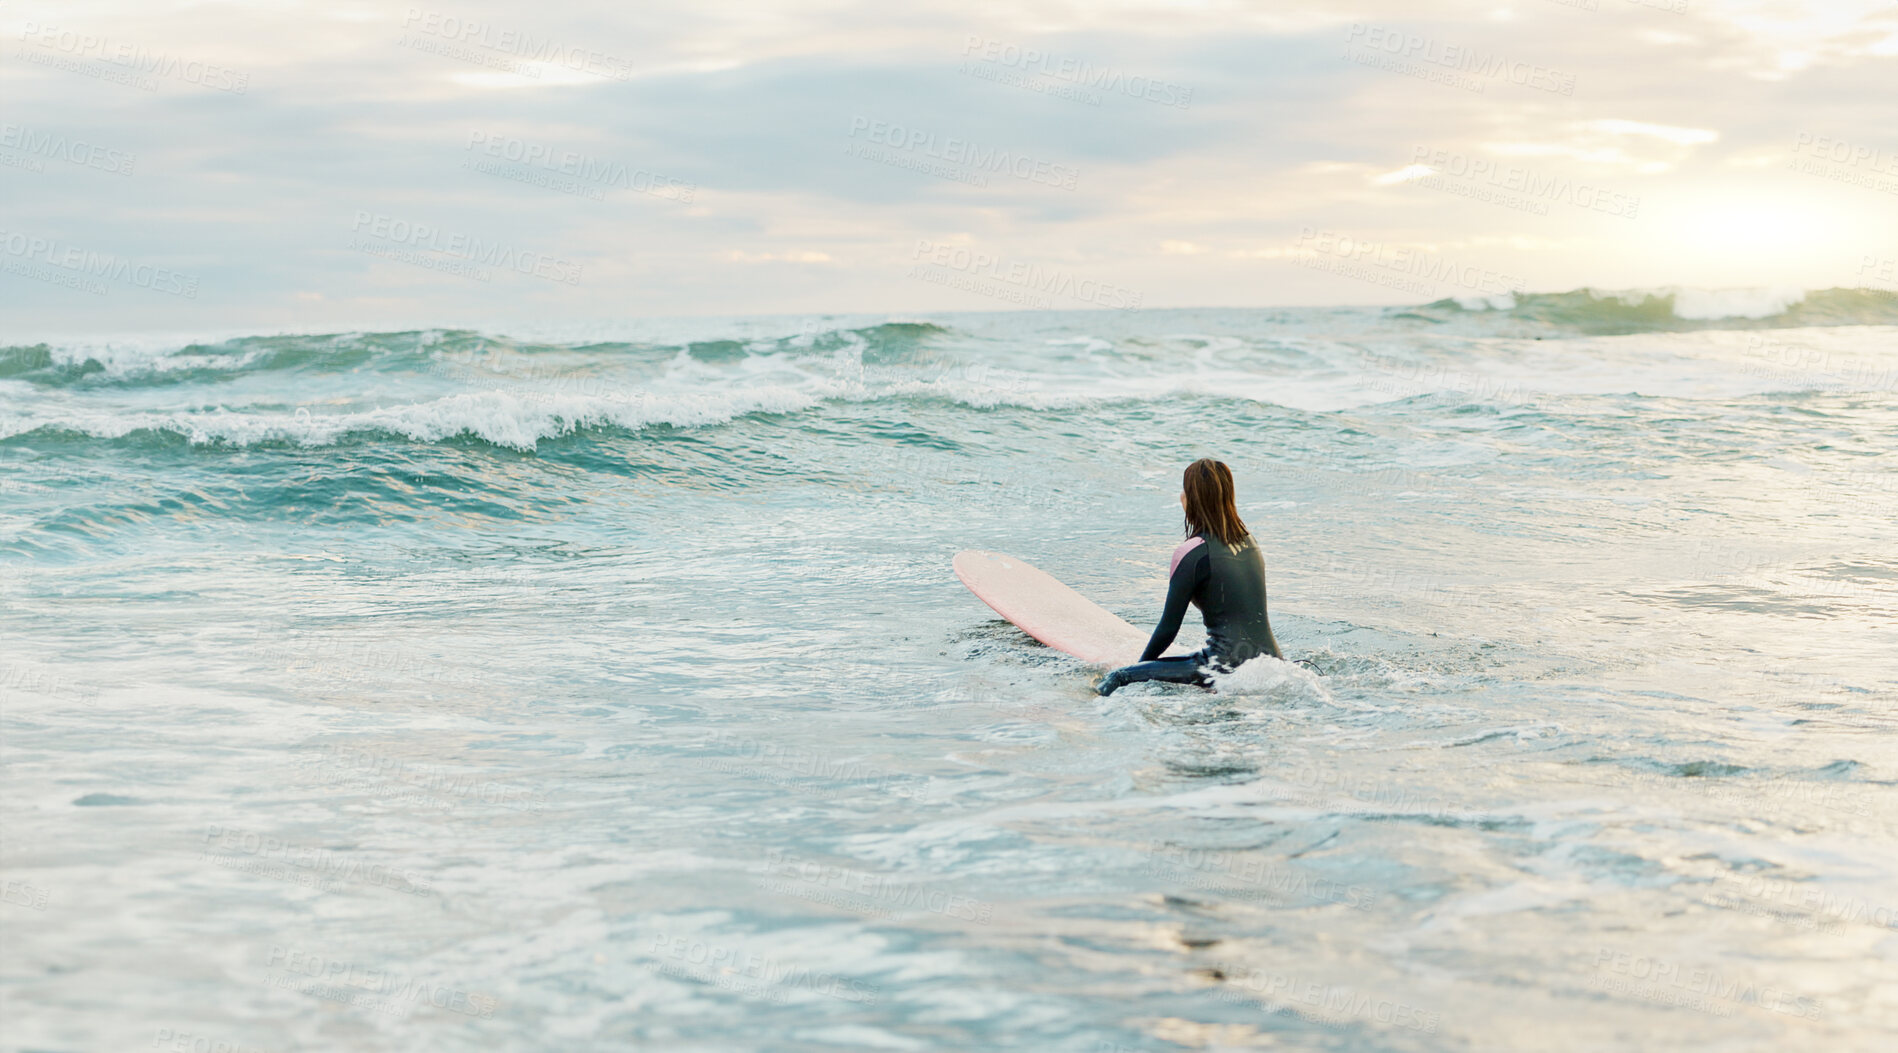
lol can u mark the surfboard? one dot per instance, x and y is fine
(1049, 611)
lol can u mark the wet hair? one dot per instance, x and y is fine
(1210, 508)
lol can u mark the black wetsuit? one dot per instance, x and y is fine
(1227, 584)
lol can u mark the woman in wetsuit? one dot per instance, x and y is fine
(1219, 570)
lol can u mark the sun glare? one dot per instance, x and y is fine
(1758, 230)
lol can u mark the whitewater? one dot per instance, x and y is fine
(592, 684)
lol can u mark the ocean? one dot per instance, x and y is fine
(605, 685)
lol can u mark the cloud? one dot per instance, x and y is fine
(741, 256)
(1681, 136)
(1404, 175)
(685, 160)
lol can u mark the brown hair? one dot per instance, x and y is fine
(1209, 502)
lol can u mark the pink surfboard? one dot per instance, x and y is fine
(1048, 610)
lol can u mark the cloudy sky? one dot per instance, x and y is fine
(192, 164)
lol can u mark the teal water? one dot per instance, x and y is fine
(606, 686)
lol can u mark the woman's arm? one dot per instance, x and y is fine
(1190, 568)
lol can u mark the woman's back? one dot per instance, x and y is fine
(1217, 569)
(1232, 602)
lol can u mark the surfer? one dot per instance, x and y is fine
(1217, 569)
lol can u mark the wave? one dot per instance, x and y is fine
(571, 351)
(1673, 309)
(149, 363)
(519, 421)
(450, 385)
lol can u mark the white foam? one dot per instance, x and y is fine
(1274, 678)
(120, 358)
(1690, 304)
(505, 419)
(1714, 304)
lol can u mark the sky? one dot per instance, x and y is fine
(250, 166)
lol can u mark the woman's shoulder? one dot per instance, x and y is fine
(1186, 548)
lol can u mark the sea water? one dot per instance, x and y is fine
(573, 686)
